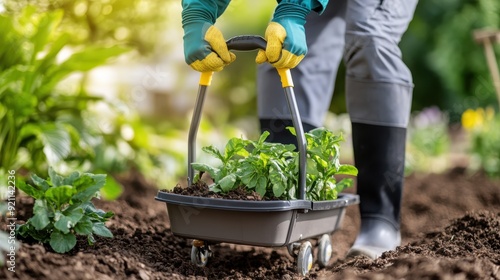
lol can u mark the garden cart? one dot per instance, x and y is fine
(274, 223)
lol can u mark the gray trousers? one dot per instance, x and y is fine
(366, 33)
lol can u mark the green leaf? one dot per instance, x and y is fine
(56, 141)
(347, 170)
(235, 146)
(277, 178)
(206, 168)
(91, 239)
(60, 195)
(312, 167)
(91, 57)
(248, 172)
(23, 230)
(227, 183)
(55, 179)
(55, 48)
(108, 215)
(112, 189)
(84, 226)
(263, 136)
(87, 188)
(85, 60)
(71, 178)
(29, 190)
(62, 243)
(39, 182)
(45, 28)
(28, 230)
(212, 150)
(101, 230)
(344, 184)
(215, 188)
(40, 218)
(66, 221)
(94, 213)
(261, 187)
(292, 192)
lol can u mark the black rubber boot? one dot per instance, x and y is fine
(279, 132)
(379, 155)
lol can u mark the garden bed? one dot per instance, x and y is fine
(450, 229)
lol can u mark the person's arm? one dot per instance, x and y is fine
(285, 34)
(204, 45)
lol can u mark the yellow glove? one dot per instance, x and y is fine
(285, 36)
(205, 48)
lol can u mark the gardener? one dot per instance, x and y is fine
(378, 88)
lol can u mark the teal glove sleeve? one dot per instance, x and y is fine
(204, 46)
(311, 5)
(285, 35)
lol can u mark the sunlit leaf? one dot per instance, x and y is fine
(57, 143)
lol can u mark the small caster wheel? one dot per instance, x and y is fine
(305, 258)
(293, 249)
(199, 255)
(324, 250)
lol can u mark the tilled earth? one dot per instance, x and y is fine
(450, 225)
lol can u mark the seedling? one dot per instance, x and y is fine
(271, 169)
(63, 209)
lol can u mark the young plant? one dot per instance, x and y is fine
(63, 209)
(323, 163)
(271, 169)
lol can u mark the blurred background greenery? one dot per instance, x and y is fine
(101, 85)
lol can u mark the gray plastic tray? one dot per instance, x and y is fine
(259, 223)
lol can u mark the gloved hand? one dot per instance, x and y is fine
(285, 35)
(205, 48)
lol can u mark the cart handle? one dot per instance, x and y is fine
(246, 43)
(250, 43)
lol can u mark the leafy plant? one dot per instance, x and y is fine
(271, 169)
(42, 120)
(63, 209)
(440, 50)
(34, 113)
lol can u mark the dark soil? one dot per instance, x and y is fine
(201, 189)
(450, 225)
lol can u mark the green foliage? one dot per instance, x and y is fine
(41, 123)
(271, 169)
(63, 209)
(136, 23)
(485, 140)
(449, 68)
(323, 164)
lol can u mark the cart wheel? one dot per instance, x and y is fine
(199, 255)
(293, 249)
(305, 258)
(324, 250)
